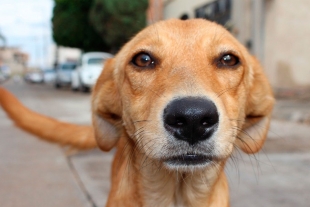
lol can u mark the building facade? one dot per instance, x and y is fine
(14, 58)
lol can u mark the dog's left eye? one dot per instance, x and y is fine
(143, 60)
(228, 60)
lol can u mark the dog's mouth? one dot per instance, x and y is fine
(189, 160)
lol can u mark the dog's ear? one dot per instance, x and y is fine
(106, 108)
(260, 101)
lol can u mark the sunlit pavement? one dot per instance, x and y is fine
(36, 173)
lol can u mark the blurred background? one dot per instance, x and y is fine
(49, 48)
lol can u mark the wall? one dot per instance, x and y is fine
(287, 43)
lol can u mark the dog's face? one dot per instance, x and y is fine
(186, 92)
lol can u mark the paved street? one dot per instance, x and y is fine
(36, 173)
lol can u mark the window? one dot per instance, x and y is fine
(218, 11)
(68, 66)
(95, 61)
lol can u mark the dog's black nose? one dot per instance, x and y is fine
(191, 119)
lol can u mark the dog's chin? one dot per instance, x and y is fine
(189, 162)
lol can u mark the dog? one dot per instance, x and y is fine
(175, 101)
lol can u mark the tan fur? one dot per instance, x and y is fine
(128, 103)
(80, 137)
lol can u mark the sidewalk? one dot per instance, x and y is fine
(27, 172)
(35, 173)
(293, 110)
(293, 105)
(278, 176)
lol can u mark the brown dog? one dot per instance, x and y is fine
(176, 100)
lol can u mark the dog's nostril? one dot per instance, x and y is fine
(191, 119)
(180, 123)
(206, 122)
(175, 121)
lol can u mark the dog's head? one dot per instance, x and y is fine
(186, 92)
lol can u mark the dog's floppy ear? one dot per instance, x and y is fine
(106, 108)
(258, 110)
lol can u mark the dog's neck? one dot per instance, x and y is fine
(175, 189)
(147, 183)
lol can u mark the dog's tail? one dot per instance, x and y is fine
(46, 128)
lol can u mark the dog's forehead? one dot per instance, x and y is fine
(183, 29)
(178, 34)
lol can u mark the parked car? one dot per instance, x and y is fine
(63, 73)
(33, 77)
(88, 71)
(5, 73)
(49, 75)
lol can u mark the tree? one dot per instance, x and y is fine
(118, 20)
(72, 28)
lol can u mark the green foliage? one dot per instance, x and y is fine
(71, 26)
(97, 25)
(118, 20)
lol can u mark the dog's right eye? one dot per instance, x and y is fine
(143, 60)
(228, 61)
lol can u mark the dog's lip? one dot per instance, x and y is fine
(189, 159)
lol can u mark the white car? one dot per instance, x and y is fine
(49, 75)
(87, 73)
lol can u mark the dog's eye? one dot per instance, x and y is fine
(143, 60)
(228, 60)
